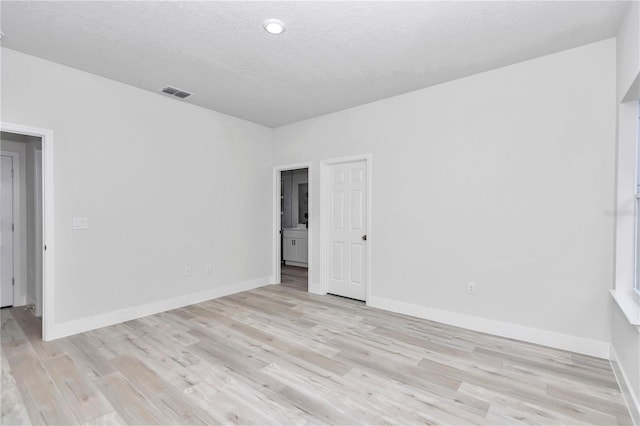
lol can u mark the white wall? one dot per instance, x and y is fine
(163, 183)
(628, 49)
(626, 337)
(505, 178)
(17, 143)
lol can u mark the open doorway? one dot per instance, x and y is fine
(28, 233)
(21, 217)
(292, 226)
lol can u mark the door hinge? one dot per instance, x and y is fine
(13, 227)
(11, 172)
(13, 281)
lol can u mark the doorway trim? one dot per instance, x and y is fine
(37, 203)
(325, 165)
(19, 282)
(276, 270)
(48, 262)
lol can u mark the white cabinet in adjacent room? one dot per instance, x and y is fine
(295, 247)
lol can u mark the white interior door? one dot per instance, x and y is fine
(38, 230)
(347, 230)
(6, 230)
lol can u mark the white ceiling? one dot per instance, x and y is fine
(333, 55)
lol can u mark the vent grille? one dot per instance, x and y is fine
(176, 92)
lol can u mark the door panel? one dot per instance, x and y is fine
(348, 225)
(337, 265)
(356, 209)
(356, 263)
(6, 225)
(38, 231)
(338, 210)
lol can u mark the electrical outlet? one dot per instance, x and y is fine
(208, 269)
(471, 287)
(187, 270)
(80, 223)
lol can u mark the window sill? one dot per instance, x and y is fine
(629, 306)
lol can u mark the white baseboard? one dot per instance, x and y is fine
(625, 387)
(103, 320)
(314, 288)
(497, 328)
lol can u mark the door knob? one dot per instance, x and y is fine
(364, 238)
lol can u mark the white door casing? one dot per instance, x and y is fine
(347, 229)
(38, 230)
(6, 230)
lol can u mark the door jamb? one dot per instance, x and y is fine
(325, 165)
(48, 259)
(19, 282)
(37, 203)
(277, 224)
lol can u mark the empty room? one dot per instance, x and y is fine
(320, 212)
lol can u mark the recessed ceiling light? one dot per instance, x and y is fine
(274, 26)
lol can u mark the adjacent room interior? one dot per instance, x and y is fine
(294, 212)
(320, 212)
(21, 222)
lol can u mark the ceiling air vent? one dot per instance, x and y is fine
(176, 92)
(182, 94)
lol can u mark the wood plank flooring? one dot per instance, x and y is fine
(294, 277)
(281, 356)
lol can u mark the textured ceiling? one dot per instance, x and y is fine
(333, 55)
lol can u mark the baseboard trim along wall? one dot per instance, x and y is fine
(625, 388)
(316, 289)
(498, 328)
(110, 318)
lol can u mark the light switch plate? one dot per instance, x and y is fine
(80, 223)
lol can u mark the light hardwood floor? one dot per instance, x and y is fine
(280, 356)
(294, 277)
